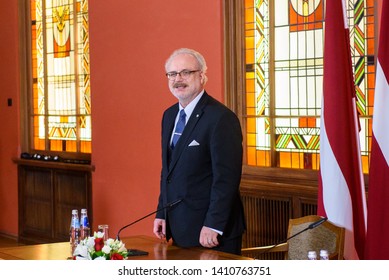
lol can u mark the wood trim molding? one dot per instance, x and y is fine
(234, 54)
(54, 165)
(25, 72)
(281, 175)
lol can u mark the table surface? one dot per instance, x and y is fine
(157, 250)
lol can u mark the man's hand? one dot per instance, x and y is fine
(160, 228)
(208, 237)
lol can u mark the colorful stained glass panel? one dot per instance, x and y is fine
(286, 102)
(61, 91)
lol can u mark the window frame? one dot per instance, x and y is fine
(234, 59)
(26, 91)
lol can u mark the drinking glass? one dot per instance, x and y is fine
(104, 229)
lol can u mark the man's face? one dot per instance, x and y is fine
(185, 89)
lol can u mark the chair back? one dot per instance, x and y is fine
(326, 236)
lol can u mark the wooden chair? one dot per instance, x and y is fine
(325, 236)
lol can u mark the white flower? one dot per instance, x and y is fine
(122, 248)
(100, 259)
(99, 234)
(90, 243)
(86, 249)
(110, 241)
(81, 252)
(106, 249)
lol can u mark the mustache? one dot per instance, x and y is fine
(176, 85)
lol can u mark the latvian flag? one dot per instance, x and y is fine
(377, 242)
(341, 195)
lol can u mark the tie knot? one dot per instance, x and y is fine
(182, 113)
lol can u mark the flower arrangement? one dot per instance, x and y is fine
(94, 248)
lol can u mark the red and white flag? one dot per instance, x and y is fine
(341, 195)
(377, 241)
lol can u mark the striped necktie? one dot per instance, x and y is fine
(179, 128)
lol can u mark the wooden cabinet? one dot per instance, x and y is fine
(48, 191)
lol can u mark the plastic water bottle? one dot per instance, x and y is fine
(312, 255)
(324, 255)
(74, 231)
(84, 224)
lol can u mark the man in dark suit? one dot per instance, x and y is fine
(201, 163)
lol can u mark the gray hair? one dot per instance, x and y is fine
(200, 59)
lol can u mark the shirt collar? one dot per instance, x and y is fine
(190, 107)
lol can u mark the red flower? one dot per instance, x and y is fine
(99, 244)
(116, 256)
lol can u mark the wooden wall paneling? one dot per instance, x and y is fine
(37, 202)
(71, 192)
(269, 204)
(48, 191)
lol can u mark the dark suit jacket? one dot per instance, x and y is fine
(205, 175)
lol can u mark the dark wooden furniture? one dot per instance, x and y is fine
(157, 250)
(48, 191)
(271, 197)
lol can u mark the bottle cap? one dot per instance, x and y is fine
(83, 211)
(324, 254)
(312, 255)
(74, 211)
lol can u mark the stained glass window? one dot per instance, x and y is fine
(284, 79)
(61, 107)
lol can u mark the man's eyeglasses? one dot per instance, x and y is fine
(183, 74)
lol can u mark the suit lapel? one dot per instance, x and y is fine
(190, 126)
(167, 132)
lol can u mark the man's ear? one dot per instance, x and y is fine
(202, 78)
